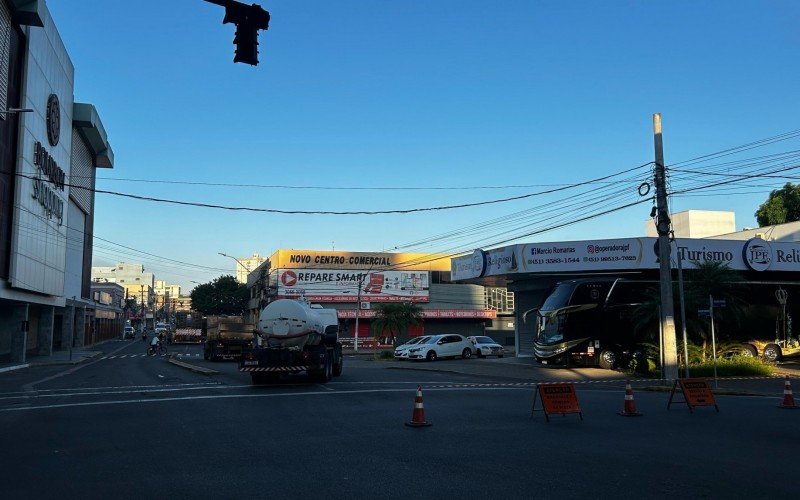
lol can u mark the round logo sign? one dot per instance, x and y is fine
(478, 263)
(757, 254)
(289, 278)
(53, 120)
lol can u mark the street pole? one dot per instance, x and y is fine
(663, 228)
(679, 258)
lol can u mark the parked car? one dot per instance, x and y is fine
(129, 332)
(486, 346)
(441, 346)
(401, 351)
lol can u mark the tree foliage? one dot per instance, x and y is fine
(395, 318)
(223, 295)
(783, 205)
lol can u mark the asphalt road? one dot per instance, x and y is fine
(124, 425)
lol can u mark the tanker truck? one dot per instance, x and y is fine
(293, 336)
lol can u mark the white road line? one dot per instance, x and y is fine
(285, 394)
(324, 387)
(138, 391)
(112, 357)
(161, 376)
(104, 357)
(138, 388)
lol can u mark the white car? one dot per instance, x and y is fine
(486, 346)
(442, 346)
(401, 351)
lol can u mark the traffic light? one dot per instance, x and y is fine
(248, 20)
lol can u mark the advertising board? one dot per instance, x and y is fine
(337, 285)
(629, 254)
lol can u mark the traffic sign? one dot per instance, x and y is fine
(704, 313)
(719, 303)
(696, 392)
(557, 398)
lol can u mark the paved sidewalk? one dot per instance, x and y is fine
(79, 355)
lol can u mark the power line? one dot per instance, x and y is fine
(338, 212)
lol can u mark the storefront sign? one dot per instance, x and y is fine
(631, 254)
(327, 285)
(427, 314)
(384, 261)
(48, 169)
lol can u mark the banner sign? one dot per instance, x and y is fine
(327, 285)
(627, 254)
(428, 314)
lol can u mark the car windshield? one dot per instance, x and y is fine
(431, 340)
(416, 340)
(484, 340)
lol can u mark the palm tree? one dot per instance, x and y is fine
(395, 318)
(718, 280)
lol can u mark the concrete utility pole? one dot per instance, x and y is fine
(663, 227)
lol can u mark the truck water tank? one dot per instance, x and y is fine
(291, 323)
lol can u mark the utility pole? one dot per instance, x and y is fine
(663, 227)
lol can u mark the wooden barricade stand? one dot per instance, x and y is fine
(696, 392)
(556, 398)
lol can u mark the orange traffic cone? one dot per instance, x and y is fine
(418, 417)
(629, 410)
(788, 398)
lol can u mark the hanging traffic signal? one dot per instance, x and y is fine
(249, 19)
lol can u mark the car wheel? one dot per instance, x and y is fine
(466, 353)
(772, 352)
(607, 359)
(431, 356)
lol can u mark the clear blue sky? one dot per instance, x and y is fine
(440, 94)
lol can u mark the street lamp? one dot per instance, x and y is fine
(246, 268)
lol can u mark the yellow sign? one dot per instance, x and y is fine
(385, 261)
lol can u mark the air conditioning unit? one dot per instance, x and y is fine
(365, 305)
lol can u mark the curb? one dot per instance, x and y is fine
(15, 367)
(197, 369)
(83, 358)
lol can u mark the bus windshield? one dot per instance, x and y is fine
(559, 297)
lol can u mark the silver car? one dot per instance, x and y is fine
(486, 346)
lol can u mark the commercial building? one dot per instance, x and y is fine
(50, 147)
(132, 277)
(353, 282)
(532, 270)
(696, 224)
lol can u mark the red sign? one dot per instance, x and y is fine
(289, 278)
(696, 392)
(557, 398)
(427, 313)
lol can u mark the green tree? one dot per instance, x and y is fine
(223, 295)
(715, 279)
(395, 318)
(782, 205)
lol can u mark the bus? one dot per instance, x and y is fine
(592, 322)
(600, 322)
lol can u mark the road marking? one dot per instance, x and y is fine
(112, 357)
(276, 395)
(136, 388)
(324, 387)
(161, 376)
(104, 357)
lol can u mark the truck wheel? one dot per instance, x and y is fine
(328, 368)
(338, 361)
(607, 359)
(749, 350)
(772, 352)
(467, 353)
